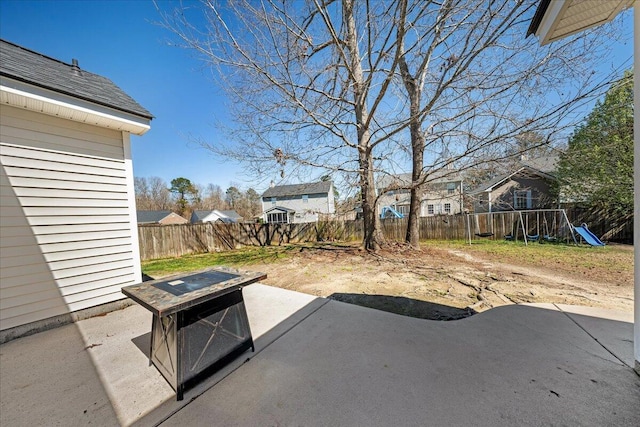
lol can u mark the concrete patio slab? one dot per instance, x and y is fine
(322, 362)
(96, 371)
(347, 365)
(612, 329)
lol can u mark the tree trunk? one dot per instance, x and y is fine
(373, 237)
(417, 152)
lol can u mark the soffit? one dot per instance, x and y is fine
(565, 17)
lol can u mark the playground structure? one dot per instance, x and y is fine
(541, 225)
(389, 212)
(588, 236)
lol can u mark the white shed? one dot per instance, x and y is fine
(68, 232)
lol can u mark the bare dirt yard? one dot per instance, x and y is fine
(451, 281)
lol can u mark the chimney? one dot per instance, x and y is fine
(273, 184)
(75, 67)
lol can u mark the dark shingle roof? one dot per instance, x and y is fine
(322, 187)
(146, 217)
(404, 179)
(548, 164)
(199, 215)
(537, 17)
(34, 68)
(233, 215)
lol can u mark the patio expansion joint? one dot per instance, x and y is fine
(596, 339)
(254, 354)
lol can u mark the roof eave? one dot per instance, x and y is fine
(27, 96)
(547, 23)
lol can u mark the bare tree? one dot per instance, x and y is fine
(312, 85)
(213, 198)
(141, 189)
(474, 85)
(152, 193)
(306, 84)
(159, 193)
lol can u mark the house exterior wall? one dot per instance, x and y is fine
(306, 209)
(437, 195)
(502, 198)
(68, 232)
(173, 218)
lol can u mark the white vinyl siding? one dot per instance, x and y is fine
(65, 217)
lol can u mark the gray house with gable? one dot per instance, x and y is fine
(528, 186)
(298, 203)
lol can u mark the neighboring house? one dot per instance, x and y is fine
(160, 217)
(441, 195)
(527, 187)
(68, 217)
(298, 203)
(228, 217)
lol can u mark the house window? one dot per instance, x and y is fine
(305, 198)
(403, 209)
(273, 201)
(430, 210)
(451, 188)
(522, 199)
(277, 218)
(447, 208)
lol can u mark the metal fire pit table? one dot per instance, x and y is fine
(199, 322)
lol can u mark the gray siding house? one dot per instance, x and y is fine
(442, 194)
(527, 187)
(298, 203)
(68, 227)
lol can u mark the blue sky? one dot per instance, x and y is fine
(120, 39)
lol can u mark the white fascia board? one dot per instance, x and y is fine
(550, 20)
(25, 96)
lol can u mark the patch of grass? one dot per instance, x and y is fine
(609, 259)
(235, 258)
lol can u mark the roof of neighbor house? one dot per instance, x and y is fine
(231, 215)
(152, 217)
(280, 208)
(541, 166)
(547, 164)
(34, 68)
(439, 176)
(322, 187)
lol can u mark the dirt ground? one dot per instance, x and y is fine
(443, 283)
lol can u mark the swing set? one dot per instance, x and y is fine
(541, 225)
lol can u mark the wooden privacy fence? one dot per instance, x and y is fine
(163, 241)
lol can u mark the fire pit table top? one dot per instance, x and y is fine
(175, 293)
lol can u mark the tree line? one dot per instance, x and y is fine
(183, 197)
(363, 89)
